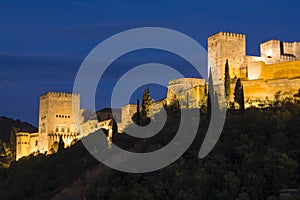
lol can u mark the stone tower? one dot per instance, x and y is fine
(59, 116)
(231, 46)
(275, 51)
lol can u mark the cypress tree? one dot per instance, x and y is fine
(205, 89)
(61, 144)
(227, 82)
(138, 117)
(210, 93)
(239, 94)
(146, 103)
(242, 106)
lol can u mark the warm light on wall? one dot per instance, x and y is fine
(254, 71)
(269, 53)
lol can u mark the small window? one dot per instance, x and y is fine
(62, 129)
(56, 130)
(59, 116)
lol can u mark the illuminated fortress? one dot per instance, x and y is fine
(275, 71)
(60, 117)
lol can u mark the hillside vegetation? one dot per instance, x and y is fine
(257, 155)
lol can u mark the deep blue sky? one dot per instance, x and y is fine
(42, 43)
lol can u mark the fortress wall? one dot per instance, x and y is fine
(22, 144)
(195, 96)
(260, 89)
(33, 141)
(88, 127)
(190, 98)
(281, 70)
(222, 46)
(127, 112)
(254, 67)
(180, 85)
(158, 105)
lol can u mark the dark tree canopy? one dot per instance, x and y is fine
(239, 94)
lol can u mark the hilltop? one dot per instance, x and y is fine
(7, 125)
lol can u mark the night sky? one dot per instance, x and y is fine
(43, 43)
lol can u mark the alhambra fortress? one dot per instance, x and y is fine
(276, 70)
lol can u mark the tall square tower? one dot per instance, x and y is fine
(223, 46)
(59, 116)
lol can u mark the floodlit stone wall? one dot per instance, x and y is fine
(26, 144)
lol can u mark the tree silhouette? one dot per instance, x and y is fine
(146, 103)
(242, 105)
(227, 82)
(138, 114)
(210, 93)
(205, 89)
(239, 94)
(61, 144)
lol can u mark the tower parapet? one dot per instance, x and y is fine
(227, 34)
(284, 58)
(59, 94)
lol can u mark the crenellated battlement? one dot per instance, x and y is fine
(287, 57)
(228, 34)
(273, 41)
(60, 94)
(291, 43)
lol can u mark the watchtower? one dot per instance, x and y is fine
(59, 116)
(223, 46)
